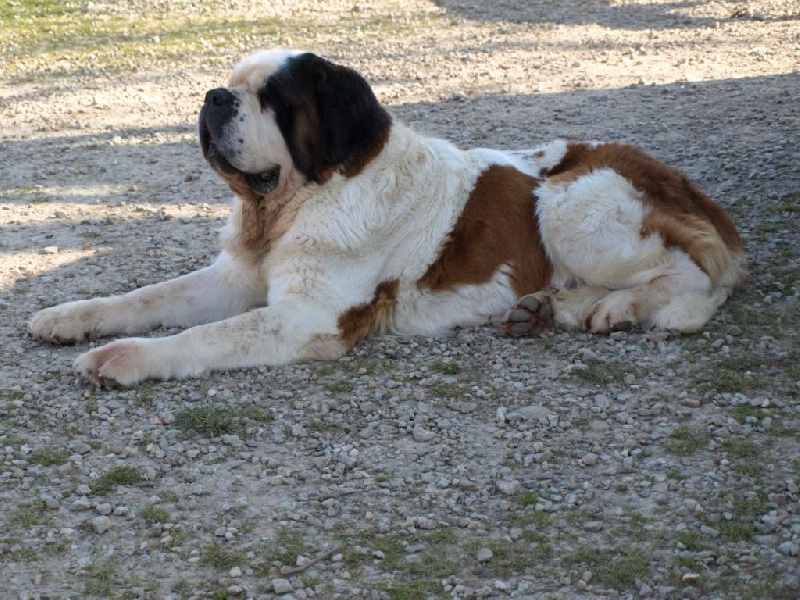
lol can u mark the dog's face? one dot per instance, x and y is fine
(287, 118)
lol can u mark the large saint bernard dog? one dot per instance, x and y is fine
(346, 222)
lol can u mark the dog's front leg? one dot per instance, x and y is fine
(226, 288)
(267, 336)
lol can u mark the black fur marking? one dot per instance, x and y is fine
(327, 114)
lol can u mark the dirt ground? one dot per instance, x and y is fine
(637, 465)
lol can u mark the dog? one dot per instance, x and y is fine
(346, 222)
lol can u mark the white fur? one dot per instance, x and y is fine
(390, 222)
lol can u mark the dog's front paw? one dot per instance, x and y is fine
(123, 362)
(66, 323)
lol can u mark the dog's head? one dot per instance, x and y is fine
(287, 118)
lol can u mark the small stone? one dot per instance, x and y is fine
(593, 526)
(281, 586)
(101, 524)
(121, 511)
(589, 459)
(598, 426)
(789, 549)
(81, 503)
(231, 440)
(690, 402)
(235, 590)
(484, 555)
(50, 502)
(690, 577)
(104, 508)
(534, 411)
(299, 431)
(50, 250)
(235, 572)
(508, 487)
(81, 448)
(423, 435)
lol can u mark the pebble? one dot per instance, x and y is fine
(101, 524)
(589, 459)
(423, 435)
(789, 548)
(593, 526)
(81, 503)
(282, 586)
(484, 555)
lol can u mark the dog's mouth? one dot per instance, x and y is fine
(262, 182)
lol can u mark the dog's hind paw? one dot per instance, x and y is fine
(531, 315)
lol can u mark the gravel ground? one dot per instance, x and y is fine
(473, 466)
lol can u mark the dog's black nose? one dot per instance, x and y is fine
(219, 97)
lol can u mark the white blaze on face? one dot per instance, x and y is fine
(254, 135)
(252, 71)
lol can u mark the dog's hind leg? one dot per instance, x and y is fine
(551, 309)
(224, 289)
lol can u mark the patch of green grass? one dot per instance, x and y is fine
(727, 380)
(691, 540)
(48, 457)
(418, 589)
(208, 419)
(153, 513)
(538, 519)
(617, 567)
(182, 587)
(675, 475)
(740, 447)
(743, 412)
(325, 369)
(339, 387)
(24, 555)
(119, 475)
(736, 531)
(446, 390)
(257, 414)
(27, 517)
(749, 468)
(685, 441)
(99, 578)
(284, 548)
(11, 394)
(602, 373)
(509, 558)
(217, 556)
(752, 505)
(526, 498)
(446, 368)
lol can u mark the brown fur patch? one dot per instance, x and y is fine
(257, 221)
(497, 227)
(696, 236)
(664, 188)
(355, 164)
(357, 322)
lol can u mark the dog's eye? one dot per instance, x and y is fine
(266, 181)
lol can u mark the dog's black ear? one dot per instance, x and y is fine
(327, 114)
(351, 119)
